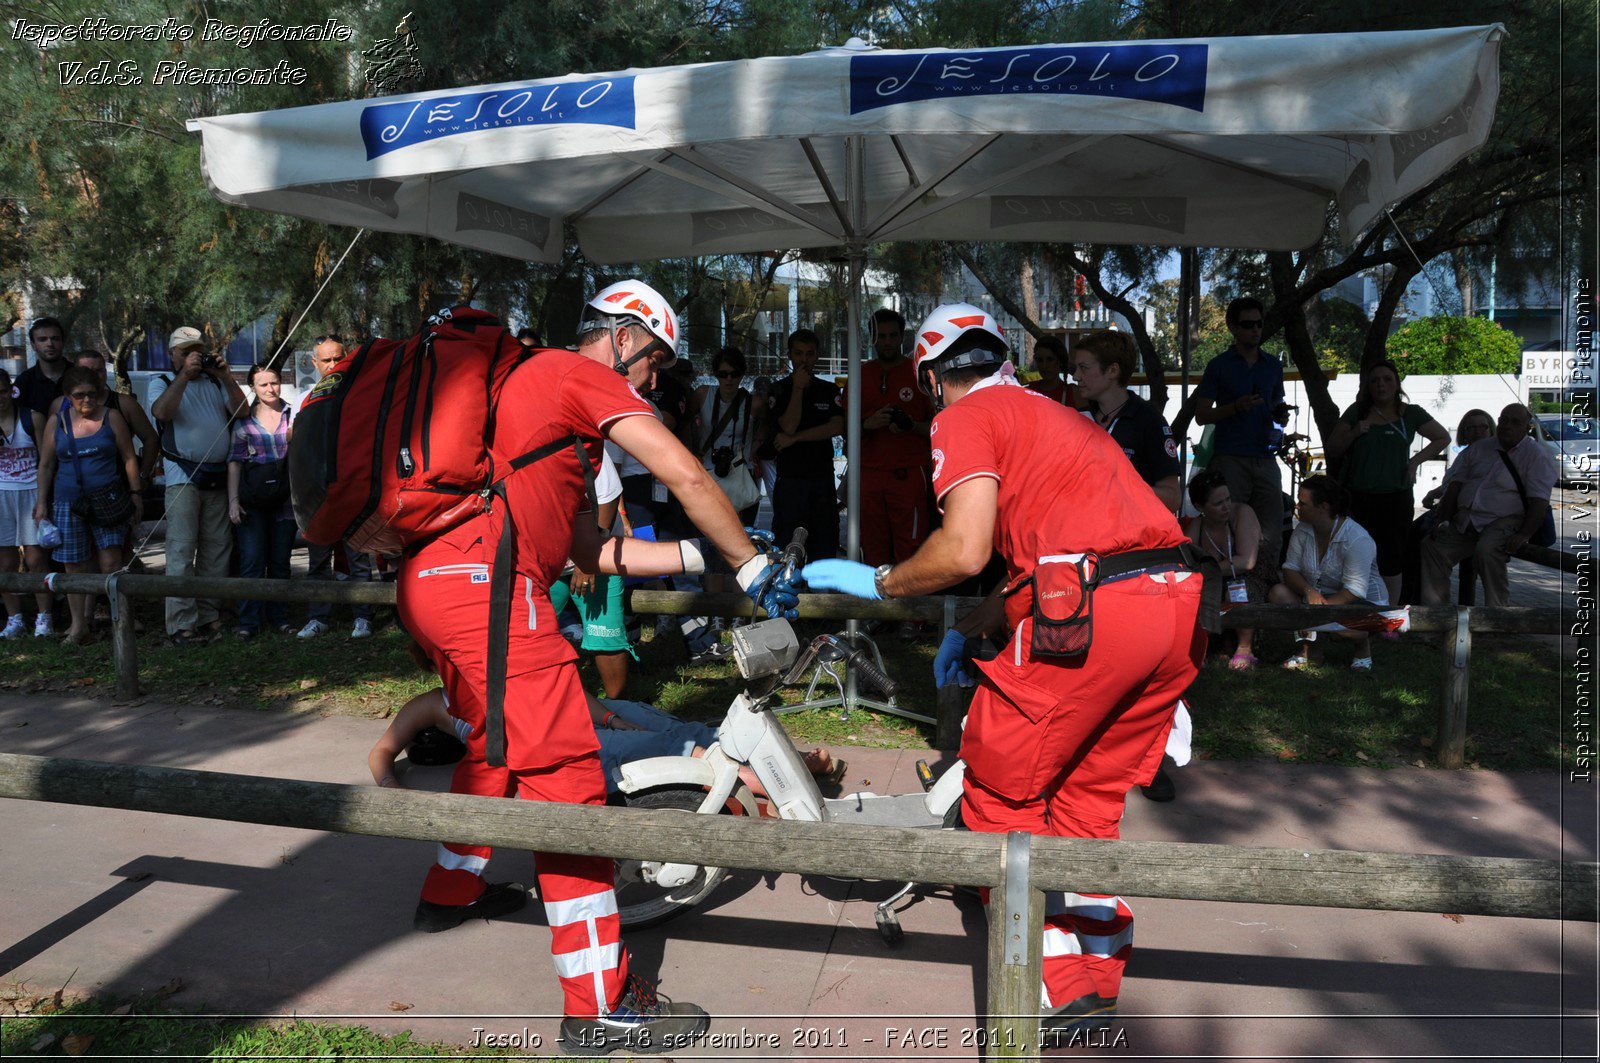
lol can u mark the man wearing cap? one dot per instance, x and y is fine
(476, 598)
(194, 407)
(1100, 602)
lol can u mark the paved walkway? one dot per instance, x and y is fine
(269, 921)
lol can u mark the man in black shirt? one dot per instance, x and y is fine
(40, 384)
(807, 413)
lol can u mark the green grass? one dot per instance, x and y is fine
(46, 1027)
(1329, 715)
(1323, 715)
(1326, 714)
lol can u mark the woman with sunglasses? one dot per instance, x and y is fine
(97, 451)
(725, 423)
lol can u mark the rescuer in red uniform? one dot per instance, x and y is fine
(563, 405)
(1101, 603)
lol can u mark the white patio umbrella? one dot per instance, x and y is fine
(1222, 142)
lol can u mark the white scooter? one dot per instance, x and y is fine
(768, 655)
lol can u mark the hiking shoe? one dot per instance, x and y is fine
(43, 626)
(1068, 1024)
(14, 627)
(362, 629)
(497, 899)
(644, 1022)
(712, 654)
(312, 629)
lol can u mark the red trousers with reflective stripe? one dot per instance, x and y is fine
(894, 514)
(1054, 747)
(552, 755)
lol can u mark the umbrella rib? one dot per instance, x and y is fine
(593, 204)
(945, 204)
(749, 188)
(1171, 145)
(702, 177)
(905, 159)
(827, 185)
(905, 199)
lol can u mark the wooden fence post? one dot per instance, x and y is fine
(124, 640)
(1016, 946)
(1450, 745)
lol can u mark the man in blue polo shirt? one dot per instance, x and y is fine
(1241, 393)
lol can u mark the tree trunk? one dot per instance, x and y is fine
(1006, 303)
(1461, 262)
(1154, 373)
(1030, 298)
(768, 278)
(1376, 349)
(1291, 316)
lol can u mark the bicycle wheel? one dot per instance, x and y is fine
(640, 902)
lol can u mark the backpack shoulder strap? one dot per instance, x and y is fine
(502, 584)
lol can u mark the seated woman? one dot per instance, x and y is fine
(628, 731)
(1331, 561)
(1232, 535)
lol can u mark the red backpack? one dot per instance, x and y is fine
(391, 446)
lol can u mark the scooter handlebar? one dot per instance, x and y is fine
(862, 662)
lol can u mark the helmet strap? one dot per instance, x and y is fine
(617, 361)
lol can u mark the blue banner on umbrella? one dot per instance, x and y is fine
(387, 127)
(1160, 73)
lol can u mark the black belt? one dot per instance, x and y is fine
(1145, 562)
(1114, 568)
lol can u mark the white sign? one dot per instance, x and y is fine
(1558, 369)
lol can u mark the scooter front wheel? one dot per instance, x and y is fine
(642, 902)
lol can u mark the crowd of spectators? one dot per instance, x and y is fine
(64, 436)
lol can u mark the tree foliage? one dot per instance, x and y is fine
(1445, 346)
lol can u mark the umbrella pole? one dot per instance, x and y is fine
(1188, 279)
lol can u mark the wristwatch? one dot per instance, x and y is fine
(880, 574)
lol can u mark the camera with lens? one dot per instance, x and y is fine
(900, 418)
(213, 361)
(722, 461)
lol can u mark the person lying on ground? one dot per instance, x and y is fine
(628, 731)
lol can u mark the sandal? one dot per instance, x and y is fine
(185, 638)
(1361, 664)
(1296, 663)
(1242, 662)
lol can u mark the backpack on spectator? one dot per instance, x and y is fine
(391, 446)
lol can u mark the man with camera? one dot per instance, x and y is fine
(895, 416)
(193, 408)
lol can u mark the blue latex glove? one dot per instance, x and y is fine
(774, 591)
(949, 663)
(846, 577)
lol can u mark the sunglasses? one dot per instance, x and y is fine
(83, 396)
(728, 374)
(1249, 324)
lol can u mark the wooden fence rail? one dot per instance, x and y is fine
(1539, 889)
(1457, 623)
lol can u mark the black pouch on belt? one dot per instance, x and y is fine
(1063, 608)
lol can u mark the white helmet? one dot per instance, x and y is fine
(957, 335)
(640, 304)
